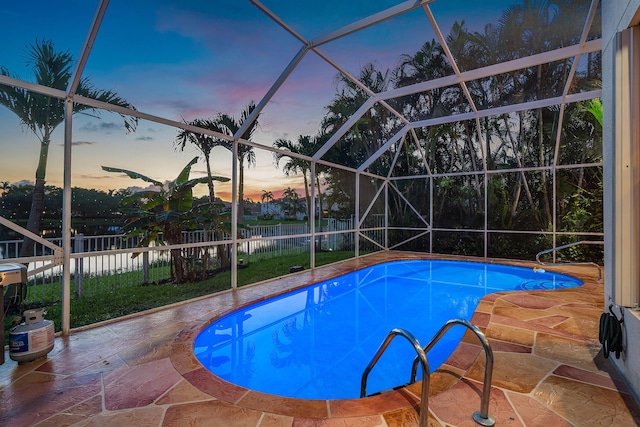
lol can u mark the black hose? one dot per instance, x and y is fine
(610, 334)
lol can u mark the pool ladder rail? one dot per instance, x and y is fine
(481, 417)
(568, 245)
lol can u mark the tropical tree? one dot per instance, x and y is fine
(305, 145)
(364, 138)
(290, 202)
(41, 114)
(5, 186)
(267, 197)
(204, 143)
(230, 126)
(169, 210)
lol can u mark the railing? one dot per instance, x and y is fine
(481, 417)
(108, 261)
(568, 245)
(421, 356)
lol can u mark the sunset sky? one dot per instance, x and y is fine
(194, 59)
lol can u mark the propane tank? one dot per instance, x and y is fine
(32, 339)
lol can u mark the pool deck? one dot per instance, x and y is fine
(140, 371)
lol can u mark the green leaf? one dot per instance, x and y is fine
(133, 175)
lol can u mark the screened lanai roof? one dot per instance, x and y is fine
(178, 61)
(377, 95)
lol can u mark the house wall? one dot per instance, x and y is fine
(617, 15)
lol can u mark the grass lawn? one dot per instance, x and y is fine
(112, 303)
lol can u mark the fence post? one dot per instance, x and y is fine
(78, 274)
(145, 267)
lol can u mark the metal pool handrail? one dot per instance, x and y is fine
(481, 417)
(421, 358)
(568, 245)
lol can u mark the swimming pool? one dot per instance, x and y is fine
(315, 342)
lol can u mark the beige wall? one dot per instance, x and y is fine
(617, 15)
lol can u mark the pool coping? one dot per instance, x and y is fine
(186, 363)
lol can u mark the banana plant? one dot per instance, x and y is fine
(165, 211)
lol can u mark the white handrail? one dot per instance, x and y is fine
(568, 245)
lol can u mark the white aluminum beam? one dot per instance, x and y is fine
(86, 47)
(376, 18)
(503, 67)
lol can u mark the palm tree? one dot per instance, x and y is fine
(230, 126)
(268, 197)
(291, 202)
(42, 113)
(5, 186)
(294, 166)
(205, 143)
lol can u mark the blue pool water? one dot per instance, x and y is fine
(314, 343)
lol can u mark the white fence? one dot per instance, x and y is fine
(107, 261)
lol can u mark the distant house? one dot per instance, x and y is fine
(275, 210)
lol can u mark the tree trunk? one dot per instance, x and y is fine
(16, 293)
(212, 193)
(37, 199)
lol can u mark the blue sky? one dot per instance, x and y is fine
(185, 60)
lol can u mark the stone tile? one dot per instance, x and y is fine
(464, 355)
(591, 378)
(105, 366)
(211, 413)
(210, 384)
(521, 299)
(11, 371)
(514, 371)
(508, 347)
(480, 319)
(594, 299)
(514, 312)
(154, 347)
(470, 337)
(484, 306)
(456, 406)
(284, 405)
(182, 392)
(83, 411)
(275, 420)
(139, 385)
(408, 417)
(24, 404)
(531, 326)
(138, 417)
(189, 334)
(533, 413)
(371, 421)
(183, 358)
(500, 301)
(393, 400)
(441, 380)
(504, 332)
(549, 321)
(586, 404)
(584, 326)
(575, 353)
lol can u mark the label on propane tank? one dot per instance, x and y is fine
(31, 340)
(19, 343)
